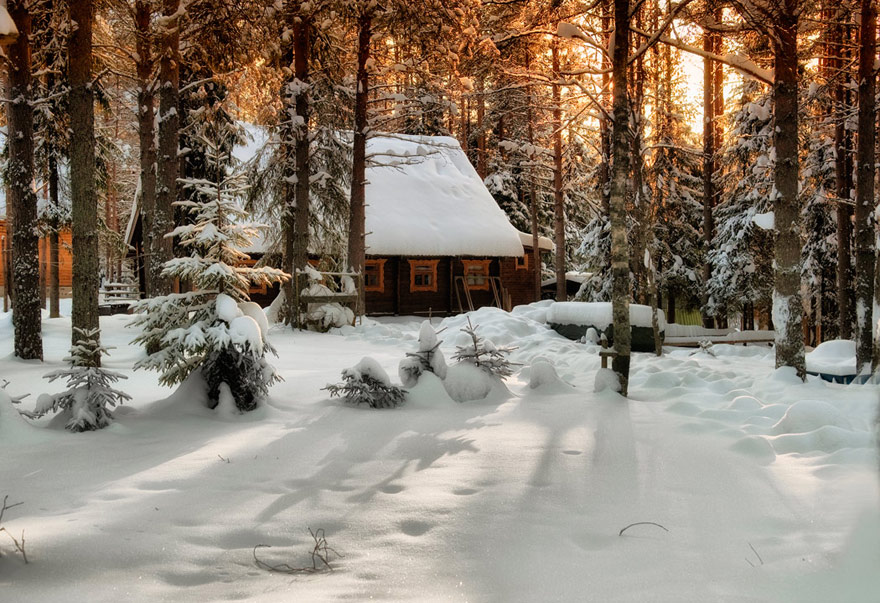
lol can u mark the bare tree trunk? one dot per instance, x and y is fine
(482, 158)
(559, 202)
(357, 216)
(84, 200)
(287, 134)
(709, 144)
(302, 49)
(865, 236)
(146, 134)
(787, 307)
(27, 318)
(604, 125)
(843, 184)
(533, 194)
(168, 165)
(620, 296)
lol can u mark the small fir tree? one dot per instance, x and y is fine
(367, 383)
(484, 354)
(213, 327)
(429, 358)
(90, 394)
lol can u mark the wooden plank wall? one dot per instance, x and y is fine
(65, 257)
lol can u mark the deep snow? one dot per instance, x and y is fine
(768, 487)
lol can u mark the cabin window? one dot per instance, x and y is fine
(374, 276)
(523, 262)
(423, 275)
(476, 274)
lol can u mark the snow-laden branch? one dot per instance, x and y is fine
(738, 62)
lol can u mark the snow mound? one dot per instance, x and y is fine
(429, 391)
(465, 382)
(786, 375)
(828, 439)
(756, 447)
(836, 357)
(599, 314)
(606, 379)
(809, 415)
(542, 376)
(502, 328)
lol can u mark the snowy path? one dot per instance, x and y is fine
(516, 498)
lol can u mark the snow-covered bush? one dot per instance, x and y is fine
(213, 327)
(429, 358)
(367, 383)
(484, 354)
(90, 395)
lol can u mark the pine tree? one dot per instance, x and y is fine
(212, 327)
(90, 395)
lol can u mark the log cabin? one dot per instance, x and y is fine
(436, 241)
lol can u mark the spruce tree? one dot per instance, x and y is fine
(212, 327)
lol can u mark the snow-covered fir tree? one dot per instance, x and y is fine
(429, 358)
(819, 270)
(742, 275)
(90, 395)
(213, 327)
(484, 354)
(368, 383)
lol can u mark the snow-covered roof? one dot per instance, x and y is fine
(544, 243)
(425, 198)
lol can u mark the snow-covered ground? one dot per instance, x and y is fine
(767, 488)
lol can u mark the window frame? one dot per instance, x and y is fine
(413, 270)
(379, 287)
(522, 262)
(484, 274)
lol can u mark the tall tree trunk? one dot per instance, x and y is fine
(787, 307)
(357, 216)
(296, 148)
(620, 171)
(168, 165)
(84, 200)
(865, 202)
(843, 180)
(302, 50)
(604, 122)
(25, 240)
(146, 133)
(709, 145)
(559, 202)
(482, 155)
(533, 194)
(288, 136)
(54, 243)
